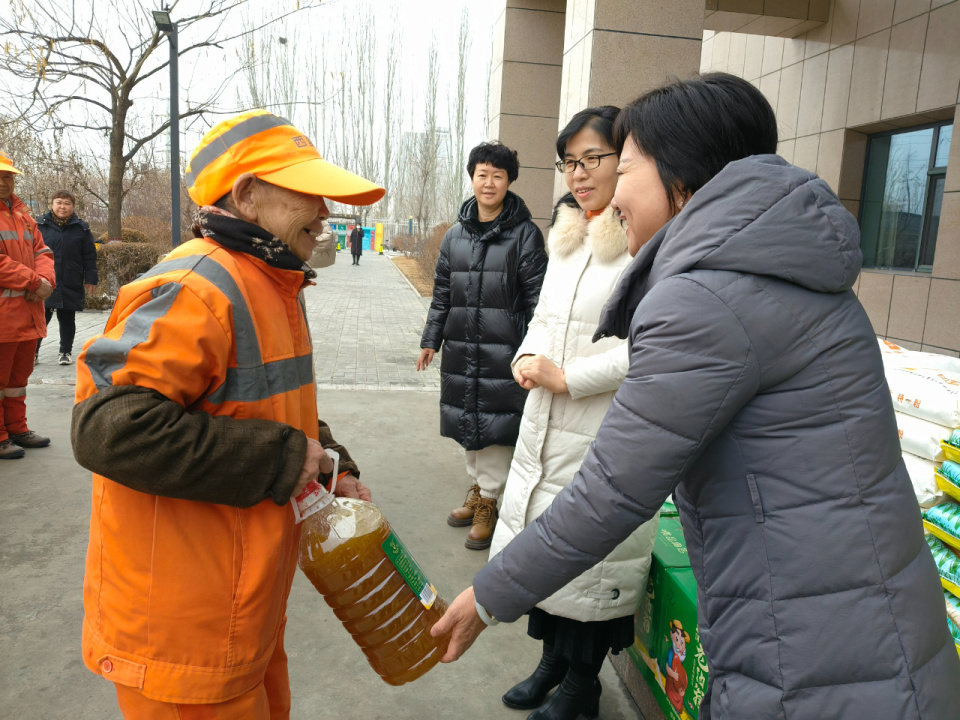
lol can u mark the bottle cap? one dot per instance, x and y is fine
(315, 496)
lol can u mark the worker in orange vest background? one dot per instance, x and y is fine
(197, 412)
(26, 280)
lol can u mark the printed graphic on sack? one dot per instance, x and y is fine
(943, 520)
(932, 395)
(948, 478)
(948, 564)
(895, 356)
(953, 616)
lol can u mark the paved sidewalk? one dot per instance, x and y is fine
(366, 324)
(365, 320)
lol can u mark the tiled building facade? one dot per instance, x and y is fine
(866, 94)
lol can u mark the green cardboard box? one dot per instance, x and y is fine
(667, 648)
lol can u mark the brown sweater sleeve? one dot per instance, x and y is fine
(145, 441)
(347, 463)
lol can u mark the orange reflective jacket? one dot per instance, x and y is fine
(24, 259)
(185, 599)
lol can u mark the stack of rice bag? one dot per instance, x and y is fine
(925, 389)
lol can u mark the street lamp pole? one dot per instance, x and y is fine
(167, 26)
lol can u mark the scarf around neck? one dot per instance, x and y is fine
(241, 236)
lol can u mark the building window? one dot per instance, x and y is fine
(902, 197)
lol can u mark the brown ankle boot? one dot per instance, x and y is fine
(484, 521)
(463, 516)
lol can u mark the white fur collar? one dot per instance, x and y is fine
(604, 234)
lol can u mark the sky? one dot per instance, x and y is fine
(324, 27)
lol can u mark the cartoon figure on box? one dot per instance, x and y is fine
(676, 677)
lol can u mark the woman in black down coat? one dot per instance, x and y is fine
(485, 289)
(75, 263)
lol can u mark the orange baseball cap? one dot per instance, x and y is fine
(274, 150)
(6, 164)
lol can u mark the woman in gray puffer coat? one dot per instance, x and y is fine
(756, 395)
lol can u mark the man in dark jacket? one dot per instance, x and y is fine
(75, 262)
(485, 289)
(356, 244)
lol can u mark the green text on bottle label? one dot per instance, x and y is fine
(403, 561)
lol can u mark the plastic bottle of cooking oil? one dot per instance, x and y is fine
(371, 581)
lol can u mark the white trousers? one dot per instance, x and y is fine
(489, 468)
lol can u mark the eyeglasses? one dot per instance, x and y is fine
(587, 162)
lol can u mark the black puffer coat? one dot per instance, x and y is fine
(356, 242)
(75, 260)
(485, 290)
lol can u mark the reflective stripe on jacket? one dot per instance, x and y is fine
(185, 598)
(24, 260)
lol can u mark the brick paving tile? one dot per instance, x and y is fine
(365, 321)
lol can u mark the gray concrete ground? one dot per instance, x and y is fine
(368, 314)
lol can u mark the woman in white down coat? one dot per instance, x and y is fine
(572, 381)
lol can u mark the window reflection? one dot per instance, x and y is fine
(943, 146)
(903, 194)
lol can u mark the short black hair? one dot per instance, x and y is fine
(599, 118)
(64, 195)
(693, 128)
(497, 154)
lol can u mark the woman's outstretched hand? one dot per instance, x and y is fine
(461, 623)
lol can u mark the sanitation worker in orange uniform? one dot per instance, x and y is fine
(26, 280)
(196, 411)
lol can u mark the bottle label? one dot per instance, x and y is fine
(403, 561)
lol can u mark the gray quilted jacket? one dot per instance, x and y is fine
(756, 395)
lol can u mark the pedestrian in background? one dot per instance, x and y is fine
(756, 396)
(26, 280)
(485, 289)
(356, 243)
(572, 381)
(75, 261)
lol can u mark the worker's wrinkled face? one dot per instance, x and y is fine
(296, 218)
(62, 208)
(7, 182)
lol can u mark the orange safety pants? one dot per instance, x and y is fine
(16, 365)
(270, 700)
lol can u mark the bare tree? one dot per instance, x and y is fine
(424, 165)
(392, 113)
(455, 185)
(84, 73)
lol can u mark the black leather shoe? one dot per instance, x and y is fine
(576, 696)
(530, 693)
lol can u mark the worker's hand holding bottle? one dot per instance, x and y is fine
(316, 461)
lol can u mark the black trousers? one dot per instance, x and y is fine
(67, 321)
(356, 259)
